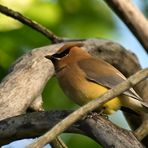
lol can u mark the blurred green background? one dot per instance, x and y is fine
(66, 18)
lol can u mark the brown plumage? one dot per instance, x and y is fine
(84, 78)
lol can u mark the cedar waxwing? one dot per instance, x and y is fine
(83, 78)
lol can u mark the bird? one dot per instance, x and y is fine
(84, 78)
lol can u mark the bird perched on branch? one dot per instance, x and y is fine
(84, 78)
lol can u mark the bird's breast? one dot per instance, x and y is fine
(74, 84)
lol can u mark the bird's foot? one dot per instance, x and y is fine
(103, 114)
(95, 115)
(92, 115)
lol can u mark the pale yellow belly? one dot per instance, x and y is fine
(91, 91)
(81, 91)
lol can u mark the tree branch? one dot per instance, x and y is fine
(92, 105)
(35, 124)
(58, 143)
(133, 18)
(141, 130)
(38, 27)
(37, 104)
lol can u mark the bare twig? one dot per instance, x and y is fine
(38, 27)
(35, 124)
(73, 117)
(133, 18)
(58, 143)
(141, 131)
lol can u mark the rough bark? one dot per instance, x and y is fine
(35, 124)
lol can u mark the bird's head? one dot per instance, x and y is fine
(68, 54)
(63, 52)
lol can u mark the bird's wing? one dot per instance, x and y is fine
(103, 73)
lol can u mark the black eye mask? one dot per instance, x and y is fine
(62, 53)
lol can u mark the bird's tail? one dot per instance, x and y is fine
(134, 104)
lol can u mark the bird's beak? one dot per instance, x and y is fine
(49, 57)
(52, 58)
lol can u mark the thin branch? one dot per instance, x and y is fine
(133, 18)
(58, 143)
(35, 124)
(38, 27)
(140, 133)
(92, 105)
